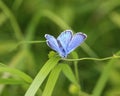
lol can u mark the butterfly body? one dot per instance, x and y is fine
(66, 42)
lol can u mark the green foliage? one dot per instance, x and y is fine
(91, 70)
(42, 74)
(24, 76)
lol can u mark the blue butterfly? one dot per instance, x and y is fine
(66, 42)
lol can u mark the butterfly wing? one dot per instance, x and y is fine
(52, 42)
(76, 40)
(64, 38)
(55, 45)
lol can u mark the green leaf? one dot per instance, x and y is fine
(52, 81)
(68, 73)
(17, 72)
(49, 65)
(11, 81)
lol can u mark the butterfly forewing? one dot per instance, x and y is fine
(52, 42)
(64, 38)
(76, 40)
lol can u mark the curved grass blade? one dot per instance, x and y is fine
(42, 74)
(52, 81)
(17, 72)
(11, 81)
(104, 77)
(13, 20)
(67, 71)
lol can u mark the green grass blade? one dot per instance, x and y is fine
(104, 77)
(17, 72)
(69, 73)
(52, 81)
(16, 4)
(58, 21)
(14, 23)
(11, 81)
(3, 18)
(49, 65)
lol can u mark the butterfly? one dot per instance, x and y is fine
(66, 42)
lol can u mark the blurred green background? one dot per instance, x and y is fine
(30, 20)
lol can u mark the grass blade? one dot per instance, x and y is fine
(52, 81)
(11, 81)
(17, 72)
(50, 64)
(104, 77)
(69, 74)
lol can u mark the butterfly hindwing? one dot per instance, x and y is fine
(76, 40)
